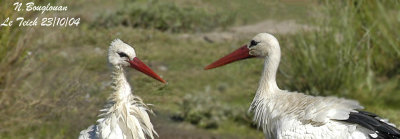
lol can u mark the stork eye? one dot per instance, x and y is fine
(253, 43)
(121, 54)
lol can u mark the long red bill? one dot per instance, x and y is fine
(239, 54)
(140, 66)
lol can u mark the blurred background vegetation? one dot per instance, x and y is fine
(53, 81)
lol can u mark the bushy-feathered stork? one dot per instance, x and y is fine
(283, 114)
(125, 116)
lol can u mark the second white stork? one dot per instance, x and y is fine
(284, 114)
(125, 116)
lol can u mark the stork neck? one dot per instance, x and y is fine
(121, 86)
(268, 78)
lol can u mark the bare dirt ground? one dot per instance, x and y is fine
(270, 26)
(169, 129)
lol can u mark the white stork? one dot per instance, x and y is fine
(283, 114)
(125, 115)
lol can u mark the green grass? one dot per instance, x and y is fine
(58, 90)
(355, 49)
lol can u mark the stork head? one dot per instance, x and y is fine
(123, 55)
(262, 45)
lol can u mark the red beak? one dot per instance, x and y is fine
(140, 66)
(239, 54)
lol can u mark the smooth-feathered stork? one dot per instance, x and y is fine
(125, 115)
(284, 114)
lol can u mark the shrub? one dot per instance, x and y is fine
(165, 17)
(206, 111)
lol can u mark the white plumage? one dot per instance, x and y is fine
(283, 114)
(125, 116)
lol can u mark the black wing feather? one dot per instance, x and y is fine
(368, 113)
(371, 121)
